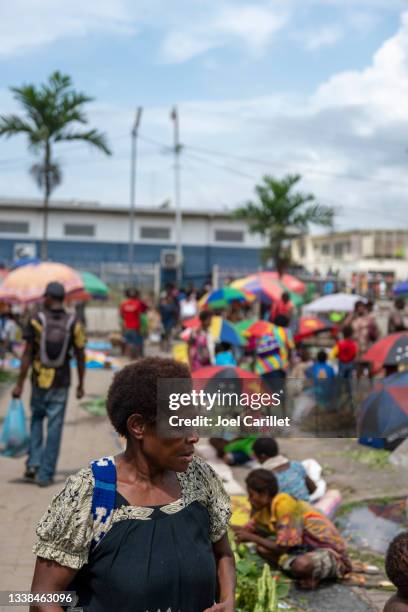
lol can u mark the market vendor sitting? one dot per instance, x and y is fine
(305, 543)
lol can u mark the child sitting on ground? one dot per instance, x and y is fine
(291, 475)
(396, 566)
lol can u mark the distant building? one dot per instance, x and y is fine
(90, 236)
(382, 252)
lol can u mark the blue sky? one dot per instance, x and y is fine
(318, 87)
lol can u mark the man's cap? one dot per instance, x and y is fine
(55, 290)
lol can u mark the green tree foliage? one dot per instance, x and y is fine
(280, 214)
(52, 113)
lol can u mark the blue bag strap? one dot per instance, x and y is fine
(103, 497)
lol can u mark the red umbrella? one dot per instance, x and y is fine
(291, 282)
(227, 379)
(270, 286)
(260, 328)
(309, 325)
(389, 351)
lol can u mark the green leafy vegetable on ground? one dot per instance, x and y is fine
(258, 587)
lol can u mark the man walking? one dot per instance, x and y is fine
(131, 310)
(50, 337)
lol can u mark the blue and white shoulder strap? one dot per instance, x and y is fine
(103, 498)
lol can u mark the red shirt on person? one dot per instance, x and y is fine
(280, 307)
(130, 311)
(347, 350)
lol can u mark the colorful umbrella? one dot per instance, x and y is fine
(220, 329)
(336, 302)
(242, 326)
(220, 298)
(384, 414)
(263, 328)
(28, 283)
(389, 351)
(401, 290)
(268, 286)
(309, 325)
(94, 286)
(260, 328)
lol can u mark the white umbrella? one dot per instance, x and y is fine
(335, 302)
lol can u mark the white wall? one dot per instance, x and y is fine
(110, 227)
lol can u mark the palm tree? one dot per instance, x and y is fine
(53, 112)
(281, 215)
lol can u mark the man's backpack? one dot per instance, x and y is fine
(55, 337)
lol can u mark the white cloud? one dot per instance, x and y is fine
(325, 36)
(26, 24)
(254, 26)
(187, 28)
(179, 47)
(381, 89)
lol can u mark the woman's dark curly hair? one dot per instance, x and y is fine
(396, 560)
(134, 389)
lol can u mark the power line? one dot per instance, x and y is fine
(222, 166)
(339, 175)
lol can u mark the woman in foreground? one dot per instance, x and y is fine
(295, 536)
(144, 530)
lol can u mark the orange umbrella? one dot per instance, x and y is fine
(28, 283)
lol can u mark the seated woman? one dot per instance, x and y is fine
(291, 475)
(306, 544)
(146, 529)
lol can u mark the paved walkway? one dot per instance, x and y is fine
(21, 505)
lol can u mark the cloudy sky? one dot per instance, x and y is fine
(318, 87)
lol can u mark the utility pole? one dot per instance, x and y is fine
(133, 162)
(177, 194)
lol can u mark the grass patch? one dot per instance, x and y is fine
(377, 459)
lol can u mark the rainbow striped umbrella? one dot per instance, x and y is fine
(220, 298)
(221, 331)
(269, 286)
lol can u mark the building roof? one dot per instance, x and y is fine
(92, 207)
(355, 232)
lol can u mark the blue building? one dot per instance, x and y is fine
(90, 236)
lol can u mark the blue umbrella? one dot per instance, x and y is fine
(402, 288)
(384, 413)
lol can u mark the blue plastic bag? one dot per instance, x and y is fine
(14, 437)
